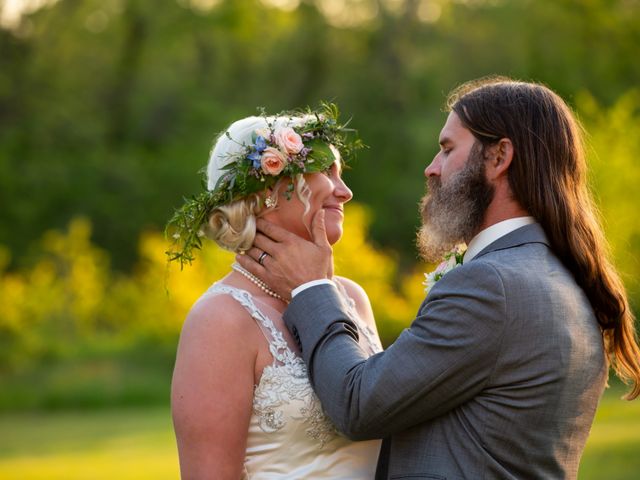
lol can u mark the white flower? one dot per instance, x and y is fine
(451, 260)
(429, 281)
(264, 133)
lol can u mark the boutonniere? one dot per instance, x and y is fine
(451, 260)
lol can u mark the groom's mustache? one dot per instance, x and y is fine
(433, 187)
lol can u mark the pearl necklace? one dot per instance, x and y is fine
(256, 281)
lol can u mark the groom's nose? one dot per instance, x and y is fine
(433, 169)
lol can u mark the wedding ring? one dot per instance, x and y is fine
(262, 257)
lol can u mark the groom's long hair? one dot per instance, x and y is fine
(548, 178)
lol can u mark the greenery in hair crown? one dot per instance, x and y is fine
(276, 151)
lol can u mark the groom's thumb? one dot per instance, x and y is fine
(318, 231)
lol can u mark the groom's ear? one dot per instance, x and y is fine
(499, 157)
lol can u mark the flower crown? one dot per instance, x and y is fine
(275, 152)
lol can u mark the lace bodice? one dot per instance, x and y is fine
(289, 434)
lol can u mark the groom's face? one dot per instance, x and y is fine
(458, 192)
(456, 144)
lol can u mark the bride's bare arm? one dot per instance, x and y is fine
(212, 389)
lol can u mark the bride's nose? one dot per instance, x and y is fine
(341, 190)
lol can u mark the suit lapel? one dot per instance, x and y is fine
(532, 233)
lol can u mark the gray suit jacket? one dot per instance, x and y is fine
(498, 377)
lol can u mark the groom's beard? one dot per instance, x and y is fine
(454, 211)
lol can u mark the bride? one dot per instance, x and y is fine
(241, 400)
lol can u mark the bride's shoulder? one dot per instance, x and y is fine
(360, 297)
(218, 316)
(353, 289)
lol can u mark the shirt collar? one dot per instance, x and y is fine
(493, 233)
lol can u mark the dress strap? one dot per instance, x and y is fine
(277, 344)
(371, 337)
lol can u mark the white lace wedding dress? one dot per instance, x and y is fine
(289, 435)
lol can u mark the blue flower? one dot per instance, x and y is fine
(260, 144)
(256, 151)
(255, 158)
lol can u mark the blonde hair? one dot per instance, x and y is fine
(233, 226)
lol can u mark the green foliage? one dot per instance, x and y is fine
(185, 227)
(108, 108)
(613, 147)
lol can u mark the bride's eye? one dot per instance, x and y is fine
(333, 170)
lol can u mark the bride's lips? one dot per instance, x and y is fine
(334, 208)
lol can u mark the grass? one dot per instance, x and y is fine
(124, 444)
(138, 444)
(614, 443)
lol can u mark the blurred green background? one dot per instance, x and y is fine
(107, 112)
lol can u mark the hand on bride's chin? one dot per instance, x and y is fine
(293, 224)
(293, 260)
(334, 218)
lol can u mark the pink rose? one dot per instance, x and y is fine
(442, 267)
(273, 161)
(288, 140)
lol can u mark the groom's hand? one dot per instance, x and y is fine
(290, 260)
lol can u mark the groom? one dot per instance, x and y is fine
(500, 373)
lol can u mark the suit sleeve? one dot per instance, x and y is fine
(442, 360)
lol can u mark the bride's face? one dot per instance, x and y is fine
(328, 192)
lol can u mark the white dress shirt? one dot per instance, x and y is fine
(312, 283)
(493, 233)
